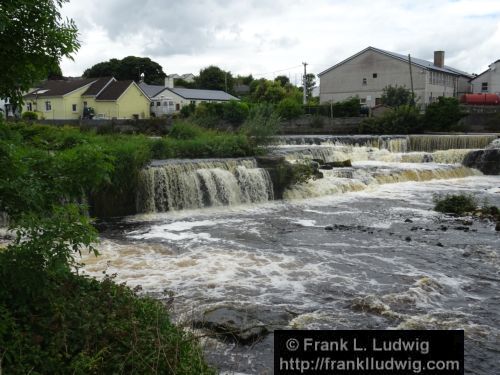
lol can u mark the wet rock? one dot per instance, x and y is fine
(336, 164)
(467, 222)
(487, 161)
(408, 221)
(240, 325)
(497, 227)
(465, 229)
(408, 239)
(329, 227)
(443, 228)
(325, 167)
(439, 244)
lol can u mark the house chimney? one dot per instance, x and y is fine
(169, 82)
(439, 59)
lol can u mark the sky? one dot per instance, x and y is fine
(273, 37)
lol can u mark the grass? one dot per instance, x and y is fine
(458, 204)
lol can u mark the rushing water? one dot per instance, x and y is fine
(385, 261)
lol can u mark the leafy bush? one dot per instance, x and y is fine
(188, 110)
(185, 130)
(443, 115)
(53, 321)
(29, 116)
(396, 96)
(401, 120)
(235, 112)
(457, 204)
(289, 109)
(262, 123)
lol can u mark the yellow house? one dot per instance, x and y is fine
(71, 99)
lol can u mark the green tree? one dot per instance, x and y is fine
(33, 37)
(265, 91)
(395, 96)
(289, 109)
(130, 67)
(284, 80)
(214, 78)
(443, 115)
(310, 83)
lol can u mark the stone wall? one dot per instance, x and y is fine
(309, 124)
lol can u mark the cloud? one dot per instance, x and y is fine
(260, 36)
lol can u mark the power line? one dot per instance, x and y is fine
(277, 71)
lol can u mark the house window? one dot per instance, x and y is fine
(177, 107)
(484, 87)
(48, 106)
(73, 107)
(165, 104)
(158, 104)
(29, 107)
(364, 81)
(193, 102)
(171, 103)
(375, 75)
(152, 104)
(362, 101)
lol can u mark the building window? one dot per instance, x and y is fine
(158, 104)
(152, 104)
(171, 103)
(48, 106)
(484, 87)
(364, 81)
(73, 107)
(193, 102)
(177, 107)
(29, 107)
(165, 104)
(362, 101)
(375, 75)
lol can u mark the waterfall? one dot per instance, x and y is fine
(342, 180)
(430, 143)
(184, 184)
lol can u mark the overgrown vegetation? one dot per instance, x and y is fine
(400, 120)
(443, 115)
(52, 320)
(458, 204)
(347, 108)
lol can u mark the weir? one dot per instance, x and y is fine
(184, 184)
(169, 185)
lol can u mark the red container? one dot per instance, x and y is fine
(480, 99)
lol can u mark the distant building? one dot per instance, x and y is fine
(488, 81)
(188, 77)
(69, 99)
(368, 72)
(169, 99)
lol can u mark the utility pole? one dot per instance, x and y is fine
(411, 82)
(305, 83)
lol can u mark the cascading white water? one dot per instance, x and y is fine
(184, 184)
(367, 174)
(431, 143)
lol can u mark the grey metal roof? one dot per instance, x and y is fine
(416, 61)
(151, 90)
(198, 94)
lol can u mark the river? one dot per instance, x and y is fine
(359, 249)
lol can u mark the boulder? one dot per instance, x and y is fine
(487, 161)
(243, 326)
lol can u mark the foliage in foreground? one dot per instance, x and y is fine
(404, 119)
(458, 204)
(53, 321)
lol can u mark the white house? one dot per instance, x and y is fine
(369, 71)
(488, 81)
(168, 99)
